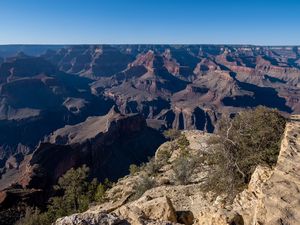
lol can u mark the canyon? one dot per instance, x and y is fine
(62, 106)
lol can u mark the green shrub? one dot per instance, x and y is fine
(33, 217)
(183, 168)
(183, 143)
(100, 193)
(163, 156)
(74, 184)
(108, 184)
(249, 139)
(172, 134)
(152, 167)
(77, 194)
(143, 184)
(133, 169)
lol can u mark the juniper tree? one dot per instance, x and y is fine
(251, 138)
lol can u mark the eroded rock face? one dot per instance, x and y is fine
(273, 194)
(244, 209)
(99, 142)
(169, 83)
(184, 87)
(36, 98)
(281, 192)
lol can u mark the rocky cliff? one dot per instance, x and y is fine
(99, 142)
(106, 144)
(272, 196)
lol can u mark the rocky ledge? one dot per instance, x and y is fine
(272, 196)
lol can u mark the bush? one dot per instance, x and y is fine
(74, 184)
(33, 217)
(249, 139)
(144, 183)
(152, 167)
(133, 169)
(183, 168)
(108, 184)
(163, 156)
(77, 194)
(172, 134)
(100, 193)
(183, 143)
(92, 189)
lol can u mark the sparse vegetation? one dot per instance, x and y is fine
(74, 185)
(101, 188)
(172, 134)
(133, 169)
(183, 168)
(183, 143)
(152, 167)
(243, 142)
(143, 184)
(100, 193)
(185, 164)
(163, 156)
(249, 139)
(33, 217)
(76, 195)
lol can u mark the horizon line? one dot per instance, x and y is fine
(74, 44)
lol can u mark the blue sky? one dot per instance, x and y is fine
(262, 22)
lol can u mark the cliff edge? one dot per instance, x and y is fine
(272, 196)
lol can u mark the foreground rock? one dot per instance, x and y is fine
(92, 219)
(272, 196)
(280, 204)
(164, 204)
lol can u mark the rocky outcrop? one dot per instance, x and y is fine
(280, 202)
(164, 204)
(92, 219)
(159, 209)
(272, 196)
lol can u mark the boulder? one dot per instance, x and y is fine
(158, 209)
(91, 219)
